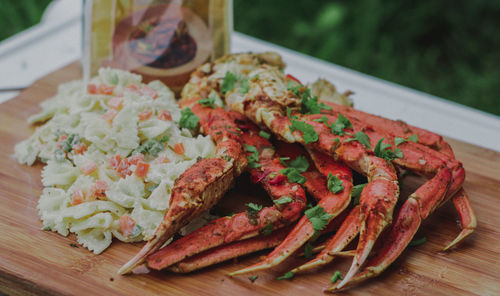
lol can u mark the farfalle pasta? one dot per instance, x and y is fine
(112, 154)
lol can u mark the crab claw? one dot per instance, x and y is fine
(467, 217)
(332, 203)
(377, 203)
(346, 233)
(418, 206)
(196, 190)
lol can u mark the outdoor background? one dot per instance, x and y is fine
(447, 48)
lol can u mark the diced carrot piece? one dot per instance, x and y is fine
(109, 115)
(135, 159)
(97, 190)
(79, 148)
(179, 148)
(126, 225)
(124, 169)
(148, 91)
(77, 197)
(92, 89)
(145, 114)
(164, 115)
(88, 168)
(114, 161)
(132, 87)
(142, 169)
(115, 103)
(105, 89)
(162, 159)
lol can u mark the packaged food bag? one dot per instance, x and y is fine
(157, 39)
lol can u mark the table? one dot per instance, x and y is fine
(56, 42)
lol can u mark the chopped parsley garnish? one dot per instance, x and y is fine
(188, 119)
(289, 113)
(300, 164)
(283, 159)
(334, 183)
(254, 157)
(244, 87)
(382, 150)
(308, 250)
(208, 102)
(323, 119)
(253, 278)
(308, 133)
(67, 145)
(293, 175)
(356, 193)
(268, 229)
(361, 138)
(283, 200)
(253, 212)
(309, 103)
(286, 276)
(164, 139)
(228, 82)
(398, 141)
(114, 79)
(151, 146)
(136, 231)
(59, 155)
(264, 135)
(340, 124)
(413, 138)
(318, 216)
(336, 276)
(294, 87)
(417, 242)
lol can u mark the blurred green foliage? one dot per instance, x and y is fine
(17, 15)
(447, 48)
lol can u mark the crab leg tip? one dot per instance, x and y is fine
(462, 235)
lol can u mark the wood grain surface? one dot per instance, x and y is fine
(39, 262)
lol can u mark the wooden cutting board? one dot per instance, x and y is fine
(39, 262)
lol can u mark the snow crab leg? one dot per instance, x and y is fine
(331, 203)
(265, 167)
(436, 142)
(351, 141)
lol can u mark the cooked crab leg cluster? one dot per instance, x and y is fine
(283, 112)
(335, 139)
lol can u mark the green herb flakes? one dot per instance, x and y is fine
(253, 212)
(318, 216)
(265, 135)
(286, 276)
(334, 184)
(253, 278)
(300, 164)
(308, 133)
(283, 200)
(356, 193)
(417, 242)
(382, 150)
(293, 175)
(362, 138)
(253, 158)
(336, 276)
(188, 119)
(228, 82)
